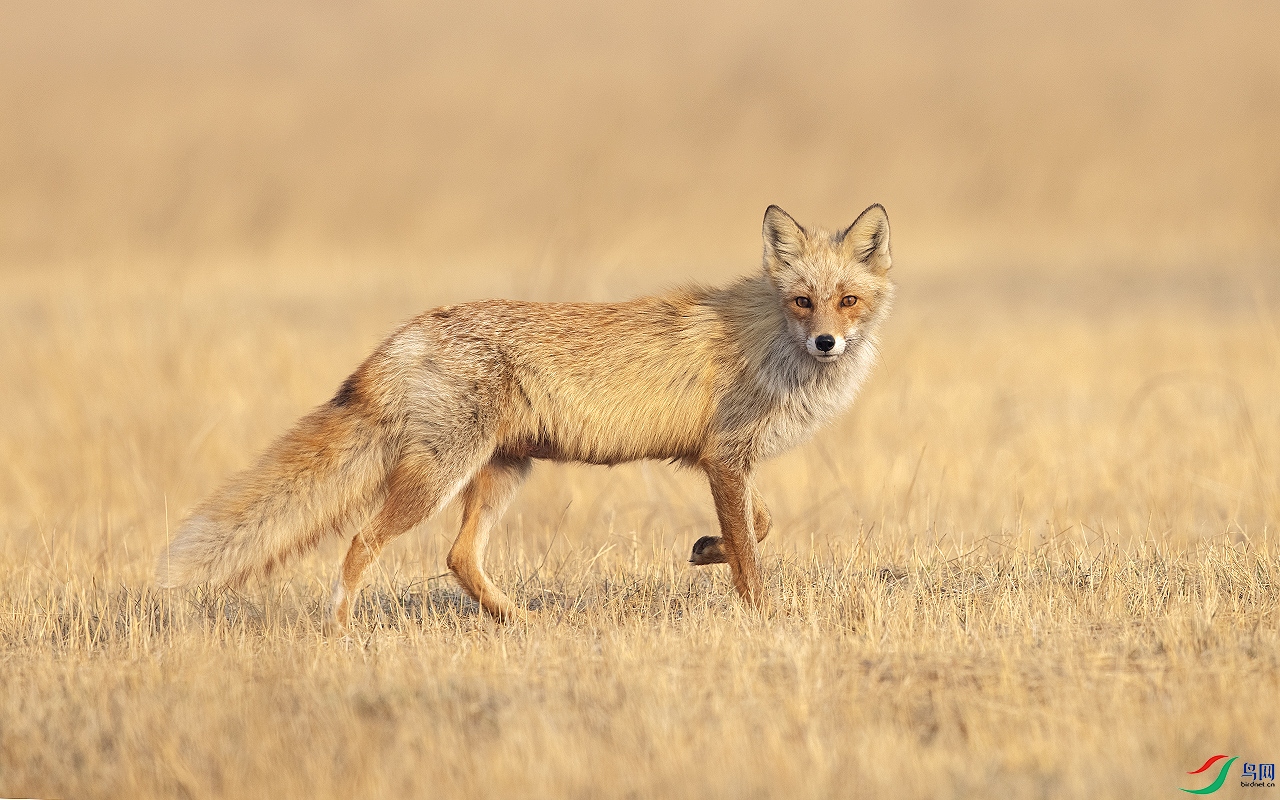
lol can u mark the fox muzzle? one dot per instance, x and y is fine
(825, 346)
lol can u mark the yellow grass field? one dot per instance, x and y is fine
(1038, 558)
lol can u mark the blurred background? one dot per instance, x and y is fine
(210, 212)
(623, 136)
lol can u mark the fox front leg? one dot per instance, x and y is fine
(731, 490)
(710, 549)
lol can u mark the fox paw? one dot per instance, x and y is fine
(708, 550)
(333, 628)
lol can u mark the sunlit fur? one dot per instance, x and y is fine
(461, 400)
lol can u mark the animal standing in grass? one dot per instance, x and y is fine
(463, 399)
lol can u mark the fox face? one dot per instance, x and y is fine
(829, 284)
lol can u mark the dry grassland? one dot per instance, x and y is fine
(1038, 558)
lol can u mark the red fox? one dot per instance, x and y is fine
(462, 399)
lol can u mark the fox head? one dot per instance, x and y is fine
(833, 287)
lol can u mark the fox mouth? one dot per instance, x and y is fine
(825, 347)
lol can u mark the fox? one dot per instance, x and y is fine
(462, 399)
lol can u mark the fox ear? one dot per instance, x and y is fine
(783, 238)
(867, 239)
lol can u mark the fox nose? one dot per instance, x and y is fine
(825, 342)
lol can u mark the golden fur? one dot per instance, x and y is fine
(463, 398)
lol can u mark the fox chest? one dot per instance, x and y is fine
(795, 416)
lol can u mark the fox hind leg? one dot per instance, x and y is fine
(483, 501)
(417, 489)
(710, 549)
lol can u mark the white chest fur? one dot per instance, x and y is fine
(811, 402)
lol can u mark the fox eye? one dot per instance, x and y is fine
(804, 302)
(848, 300)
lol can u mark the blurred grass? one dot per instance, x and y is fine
(568, 137)
(1036, 559)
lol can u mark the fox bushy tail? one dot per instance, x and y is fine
(325, 473)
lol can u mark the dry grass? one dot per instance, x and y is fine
(888, 670)
(1037, 559)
